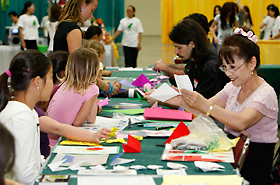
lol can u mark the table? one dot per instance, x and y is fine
(7, 53)
(150, 152)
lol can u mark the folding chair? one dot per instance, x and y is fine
(241, 150)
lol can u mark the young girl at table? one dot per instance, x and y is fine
(246, 103)
(76, 99)
(31, 79)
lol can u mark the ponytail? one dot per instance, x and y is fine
(4, 91)
(26, 5)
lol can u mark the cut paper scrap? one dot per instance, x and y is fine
(77, 166)
(55, 166)
(183, 82)
(164, 92)
(208, 166)
(166, 114)
(126, 83)
(126, 111)
(117, 160)
(141, 92)
(162, 77)
(118, 140)
(132, 146)
(141, 80)
(103, 102)
(181, 130)
(155, 106)
(71, 142)
(176, 166)
(147, 87)
(113, 131)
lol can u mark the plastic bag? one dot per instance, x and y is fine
(204, 135)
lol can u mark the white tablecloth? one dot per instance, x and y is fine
(6, 55)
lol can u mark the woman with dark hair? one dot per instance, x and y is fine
(246, 103)
(248, 20)
(28, 27)
(93, 33)
(68, 36)
(55, 12)
(132, 30)
(226, 21)
(269, 21)
(217, 10)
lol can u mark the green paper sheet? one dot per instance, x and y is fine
(126, 111)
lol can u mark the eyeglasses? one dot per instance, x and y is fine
(223, 68)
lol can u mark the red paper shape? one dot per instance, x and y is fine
(167, 114)
(132, 146)
(181, 130)
(141, 80)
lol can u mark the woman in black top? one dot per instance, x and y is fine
(68, 36)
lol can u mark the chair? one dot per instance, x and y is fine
(241, 150)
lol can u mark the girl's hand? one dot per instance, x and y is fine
(216, 40)
(116, 91)
(150, 100)
(103, 133)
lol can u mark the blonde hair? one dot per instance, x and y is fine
(81, 70)
(93, 44)
(71, 11)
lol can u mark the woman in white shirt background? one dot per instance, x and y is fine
(28, 27)
(132, 30)
(269, 21)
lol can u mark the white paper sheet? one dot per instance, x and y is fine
(164, 92)
(86, 150)
(183, 82)
(130, 69)
(171, 172)
(137, 180)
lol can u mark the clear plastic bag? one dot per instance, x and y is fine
(204, 135)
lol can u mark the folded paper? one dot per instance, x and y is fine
(117, 160)
(141, 80)
(103, 102)
(164, 92)
(126, 83)
(183, 82)
(181, 130)
(132, 146)
(166, 114)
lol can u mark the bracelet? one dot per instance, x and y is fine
(103, 86)
(210, 109)
(110, 91)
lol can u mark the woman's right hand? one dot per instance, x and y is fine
(103, 133)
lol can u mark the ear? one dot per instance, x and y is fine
(38, 82)
(252, 63)
(192, 44)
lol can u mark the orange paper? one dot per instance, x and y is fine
(132, 146)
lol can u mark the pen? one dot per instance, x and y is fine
(160, 128)
(160, 145)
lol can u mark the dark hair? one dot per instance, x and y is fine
(25, 66)
(273, 8)
(246, 8)
(189, 30)
(13, 13)
(201, 20)
(133, 8)
(7, 152)
(91, 31)
(26, 5)
(59, 61)
(226, 9)
(217, 6)
(55, 12)
(240, 46)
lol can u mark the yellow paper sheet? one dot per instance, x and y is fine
(208, 179)
(71, 142)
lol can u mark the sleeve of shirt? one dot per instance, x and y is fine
(121, 26)
(91, 91)
(37, 22)
(265, 101)
(139, 27)
(20, 22)
(224, 93)
(25, 163)
(265, 20)
(217, 18)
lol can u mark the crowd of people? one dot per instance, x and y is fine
(54, 94)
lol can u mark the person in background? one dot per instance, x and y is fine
(51, 24)
(14, 17)
(240, 12)
(246, 103)
(46, 38)
(68, 36)
(269, 21)
(7, 153)
(132, 30)
(93, 33)
(28, 27)
(76, 99)
(226, 21)
(217, 10)
(248, 23)
(31, 79)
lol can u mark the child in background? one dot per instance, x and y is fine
(93, 33)
(31, 80)
(76, 99)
